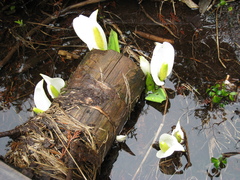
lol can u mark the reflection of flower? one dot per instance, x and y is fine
(168, 144)
(178, 133)
(41, 100)
(162, 62)
(90, 32)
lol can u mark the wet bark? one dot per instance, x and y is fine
(71, 139)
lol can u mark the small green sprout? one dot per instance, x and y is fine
(113, 42)
(230, 9)
(222, 3)
(12, 8)
(220, 162)
(220, 95)
(20, 22)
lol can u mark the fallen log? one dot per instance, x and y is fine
(71, 139)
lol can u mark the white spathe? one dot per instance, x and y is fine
(40, 98)
(168, 144)
(162, 62)
(178, 133)
(144, 65)
(54, 85)
(90, 32)
(57, 83)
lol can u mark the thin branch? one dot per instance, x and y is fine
(46, 21)
(217, 40)
(158, 23)
(154, 139)
(153, 37)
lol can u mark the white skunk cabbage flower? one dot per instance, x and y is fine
(162, 62)
(121, 138)
(41, 100)
(168, 144)
(54, 85)
(178, 133)
(90, 32)
(144, 65)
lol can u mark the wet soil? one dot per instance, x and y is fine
(211, 130)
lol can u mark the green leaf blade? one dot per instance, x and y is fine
(150, 85)
(158, 96)
(113, 43)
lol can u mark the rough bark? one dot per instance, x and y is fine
(71, 139)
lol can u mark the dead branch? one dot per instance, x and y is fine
(158, 23)
(46, 21)
(153, 37)
(217, 40)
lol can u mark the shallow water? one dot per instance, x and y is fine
(205, 140)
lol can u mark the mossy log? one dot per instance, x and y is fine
(71, 139)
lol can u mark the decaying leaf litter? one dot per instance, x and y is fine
(196, 60)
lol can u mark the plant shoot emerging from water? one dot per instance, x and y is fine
(219, 162)
(178, 133)
(168, 144)
(157, 71)
(220, 94)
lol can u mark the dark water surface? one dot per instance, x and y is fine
(210, 131)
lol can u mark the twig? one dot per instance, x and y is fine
(154, 139)
(70, 155)
(46, 21)
(217, 40)
(158, 23)
(153, 37)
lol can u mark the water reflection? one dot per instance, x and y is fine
(207, 137)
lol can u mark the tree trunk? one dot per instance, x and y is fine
(71, 139)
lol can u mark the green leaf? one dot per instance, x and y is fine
(158, 96)
(224, 92)
(113, 41)
(219, 92)
(216, 99)
(217, 85)
(150, 85)
(216, 162)
(12, 8)
(211, 94)
(222, 105)
(215, 89)
(224, 161)
(20, 22)
(230, 8)
(222, 3)
(231, 96)
(208, 89)
(233, 93)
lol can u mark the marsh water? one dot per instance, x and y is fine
(211, 130)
